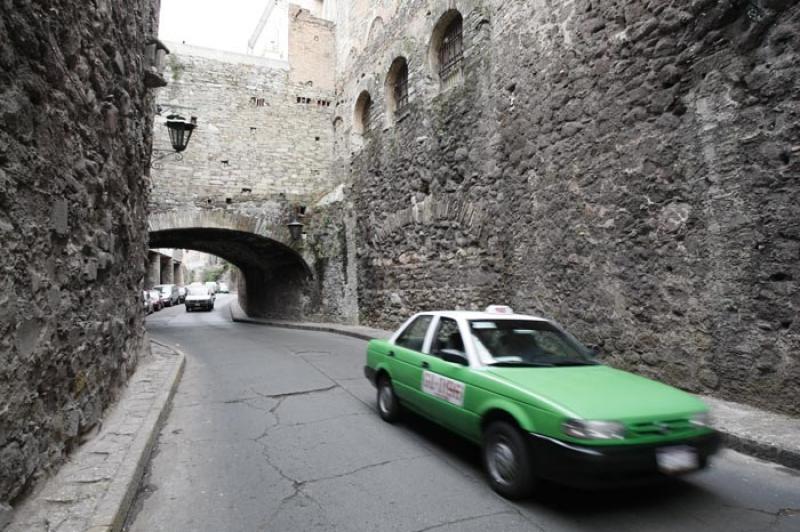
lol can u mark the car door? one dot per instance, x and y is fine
(406, 360)
(445, 384)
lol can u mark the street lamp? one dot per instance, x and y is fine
(295, 229)
(180, 131)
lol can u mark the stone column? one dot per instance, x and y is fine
(153, 270)
(178, 274)
(166, 270)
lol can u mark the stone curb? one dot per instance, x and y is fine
(111, 512)
(765, 451)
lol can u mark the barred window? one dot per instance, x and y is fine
(396, 90)
(401, 88)
(451, 51)
(366, 116)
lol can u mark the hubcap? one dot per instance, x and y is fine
(502, 462)
(385, 399)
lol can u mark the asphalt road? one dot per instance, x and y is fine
(275, 429)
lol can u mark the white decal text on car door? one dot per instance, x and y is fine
(443, 388)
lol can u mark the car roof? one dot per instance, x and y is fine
(480, 315)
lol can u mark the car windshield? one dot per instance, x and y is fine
(527, 343)
(197, 291)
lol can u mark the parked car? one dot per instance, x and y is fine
(181, 294)
(146, 302)
(155, 299)
(169, 294)
(537, 401)
(212, 286)
(223, 288)
(198, 296)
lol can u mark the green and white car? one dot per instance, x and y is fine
(537, 401)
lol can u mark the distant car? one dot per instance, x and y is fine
(223, 288)
(146, 302)
(198, 296)
(181, 294)
(155, 299)
(169, 294)
(537, 401)
(212, 287)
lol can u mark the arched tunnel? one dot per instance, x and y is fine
(275, 278)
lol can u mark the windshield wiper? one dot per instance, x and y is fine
(520, 364)
(575, 363)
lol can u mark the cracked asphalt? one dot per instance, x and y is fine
(275, 429)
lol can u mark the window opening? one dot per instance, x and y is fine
(401, 88)
(451, 53)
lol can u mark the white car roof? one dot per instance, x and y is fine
(480, 315)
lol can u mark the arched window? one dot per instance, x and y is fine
(396, 89)
(447, 48)
(375, 30)
(362, 113)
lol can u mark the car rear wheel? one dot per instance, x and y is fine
(388, 405)
(507, 460)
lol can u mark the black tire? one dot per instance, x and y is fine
(507, 461)
(388, 405)
(188, 309)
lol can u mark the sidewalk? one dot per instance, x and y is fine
(760, 433)
(95, 488)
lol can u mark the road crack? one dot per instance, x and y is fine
(462, 520)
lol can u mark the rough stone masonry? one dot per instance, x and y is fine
(75, 130)
(627, 167)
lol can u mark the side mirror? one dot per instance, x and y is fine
(595, 350)
(454, 356)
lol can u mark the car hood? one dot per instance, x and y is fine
(600, 392)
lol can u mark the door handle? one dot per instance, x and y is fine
(390, 353)
(425, 365)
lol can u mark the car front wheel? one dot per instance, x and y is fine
(507, 460)
(388, 405)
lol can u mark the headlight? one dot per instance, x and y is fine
(594, 430)
(703, 419)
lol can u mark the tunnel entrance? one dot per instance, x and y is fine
(275, 278)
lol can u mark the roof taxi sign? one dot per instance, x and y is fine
(499, 309)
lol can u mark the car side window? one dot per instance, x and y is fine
(414, 335)
(447, 337)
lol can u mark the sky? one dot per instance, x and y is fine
(219, 24)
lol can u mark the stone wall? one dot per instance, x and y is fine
(628, 168)
(259, 134)
(312, 45)
(75, 132)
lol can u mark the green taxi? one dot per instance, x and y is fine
(537, 401)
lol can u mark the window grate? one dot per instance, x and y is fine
(401, 88)
(366, 115)
(451, 53)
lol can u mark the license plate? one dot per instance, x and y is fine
(677, 459)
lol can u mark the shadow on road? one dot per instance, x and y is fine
(565, 499)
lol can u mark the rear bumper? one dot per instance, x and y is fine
(595, 466)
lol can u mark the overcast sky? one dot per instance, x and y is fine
(220, 24)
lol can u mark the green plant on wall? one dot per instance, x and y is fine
(176, 67)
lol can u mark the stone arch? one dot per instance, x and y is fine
(275, 275)
(375, 30)
(396, 88)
